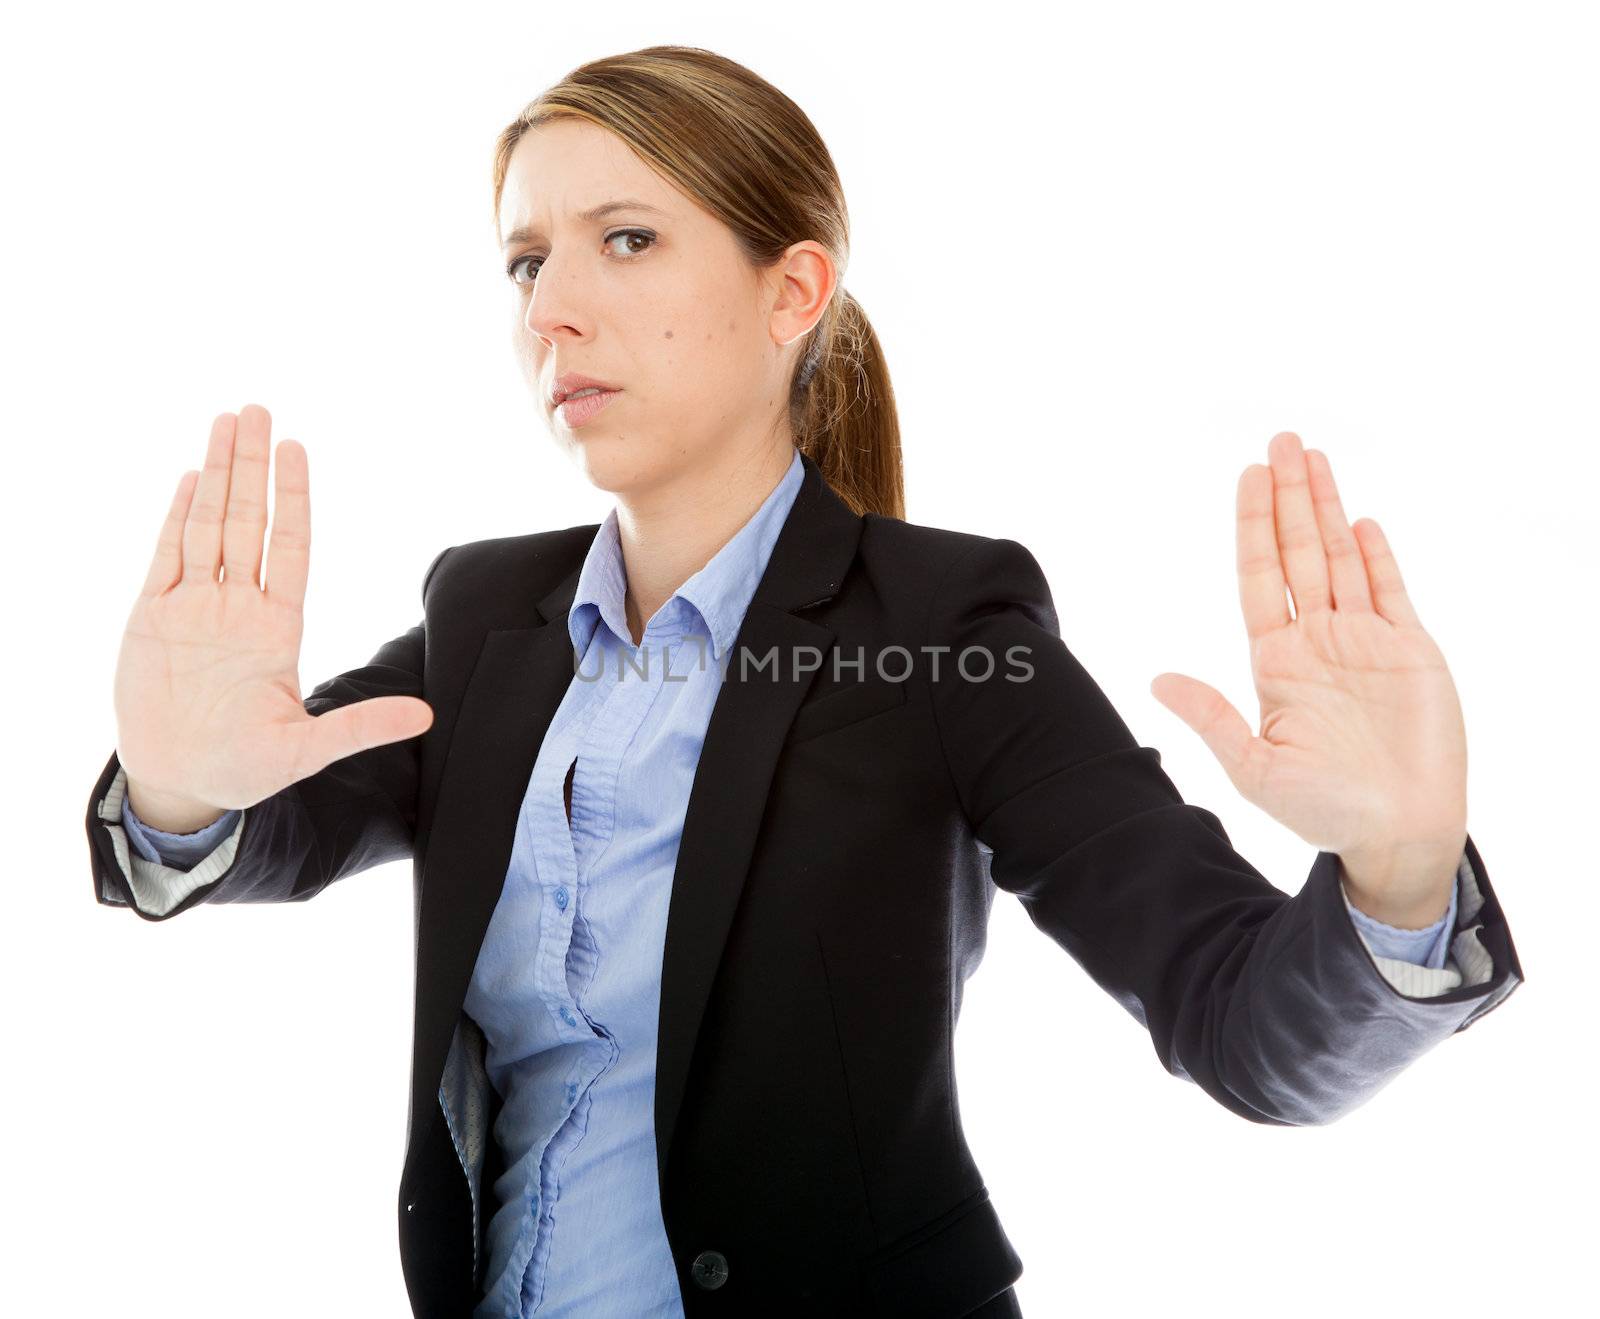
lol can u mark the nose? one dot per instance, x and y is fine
(554, 309)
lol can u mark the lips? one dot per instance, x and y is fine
(564, 386)
(576, 411)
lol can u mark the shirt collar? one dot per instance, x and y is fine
(719, 592)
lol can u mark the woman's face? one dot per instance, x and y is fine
(654, 298)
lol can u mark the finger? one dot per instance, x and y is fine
(1388, 591)
(358, 727)
(202, 529)
(290, 561)
(1213, 717)
(1300, 543)
(246, 520)
(1261, 584)
(167, 565)
(1346, 570)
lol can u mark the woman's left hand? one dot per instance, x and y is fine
(1362, 749)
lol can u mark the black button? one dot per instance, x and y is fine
(710, 1269)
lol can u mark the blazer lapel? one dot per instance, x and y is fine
(752, 714)
(518, 681)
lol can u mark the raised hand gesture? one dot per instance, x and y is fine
(1362, 749)
(207, 694)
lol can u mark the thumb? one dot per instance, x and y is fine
(363, 725)
(1208, 712)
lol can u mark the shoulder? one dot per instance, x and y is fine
(938, 548)
(539, 560)
(947, 567)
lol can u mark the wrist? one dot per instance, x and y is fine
(168, 813)
(1408, 889)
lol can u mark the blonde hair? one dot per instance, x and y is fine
(749, 155)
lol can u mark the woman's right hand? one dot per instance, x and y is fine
(208, 705)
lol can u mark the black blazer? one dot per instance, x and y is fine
(840, 852)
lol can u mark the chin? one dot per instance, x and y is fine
(613, 463)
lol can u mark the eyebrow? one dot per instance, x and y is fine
(527, 231)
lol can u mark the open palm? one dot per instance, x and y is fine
(207, 689)
(1362, 748)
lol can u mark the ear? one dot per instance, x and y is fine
(803, 281)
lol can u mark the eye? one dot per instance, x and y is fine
(532, 263)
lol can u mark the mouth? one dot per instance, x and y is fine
(584, 404)
(570, 384)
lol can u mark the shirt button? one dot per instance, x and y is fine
(710, 1269)
(561, 898)
(567, 1017)
(572, 1091)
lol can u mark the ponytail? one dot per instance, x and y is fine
(843, 415)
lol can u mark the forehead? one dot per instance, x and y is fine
(559, 170)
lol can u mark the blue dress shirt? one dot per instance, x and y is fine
(567, 983)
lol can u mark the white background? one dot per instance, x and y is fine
(1110, 251)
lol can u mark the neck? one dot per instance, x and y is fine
(670, 532)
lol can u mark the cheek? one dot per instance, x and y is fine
(526, 349)
(522, 339)
(700, 349)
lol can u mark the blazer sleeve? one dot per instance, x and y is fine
(1271, 1003)
(356, 813)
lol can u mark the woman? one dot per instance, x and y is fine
(707, 803)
